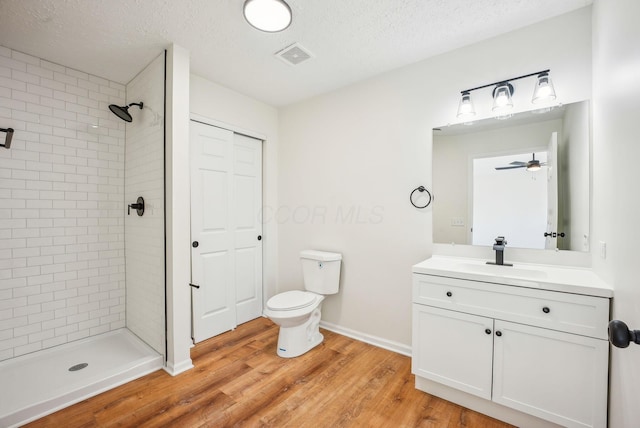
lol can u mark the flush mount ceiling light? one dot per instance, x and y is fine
(503, 92)
(270, 16)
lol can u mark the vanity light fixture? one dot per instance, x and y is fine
(465, 108)
(502, 101)
(269, 16)
(503, 92)
(544, 90)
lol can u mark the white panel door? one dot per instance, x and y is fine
(213, 304)
(226, 255)
(247, 176)
(556, 376)
(453, 348)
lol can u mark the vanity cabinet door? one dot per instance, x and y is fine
(557, 376)
(453, 348)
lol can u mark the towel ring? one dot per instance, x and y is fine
(420, 189)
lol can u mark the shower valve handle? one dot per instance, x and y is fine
(138, 206)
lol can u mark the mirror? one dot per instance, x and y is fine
(485, 182)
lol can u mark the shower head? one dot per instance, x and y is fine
(123, 112)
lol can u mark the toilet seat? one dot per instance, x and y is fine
(291, 300)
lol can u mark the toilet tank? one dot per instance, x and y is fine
(321, 271)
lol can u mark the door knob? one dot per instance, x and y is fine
(620, 335)
(195, 244)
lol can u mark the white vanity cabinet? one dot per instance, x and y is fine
(534, 349)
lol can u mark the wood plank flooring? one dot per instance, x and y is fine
(238, 380)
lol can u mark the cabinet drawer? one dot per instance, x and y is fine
(573, 313)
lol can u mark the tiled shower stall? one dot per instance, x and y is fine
(73, 265)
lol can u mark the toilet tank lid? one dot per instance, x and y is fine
(322, 256)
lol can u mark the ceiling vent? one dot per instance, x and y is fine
(294, 54)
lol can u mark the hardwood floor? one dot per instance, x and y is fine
(238, 380)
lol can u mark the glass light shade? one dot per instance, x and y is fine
(465, 108)
(544, 90)
(502, 101)
(267, 15)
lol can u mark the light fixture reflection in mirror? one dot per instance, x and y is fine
(455, 148)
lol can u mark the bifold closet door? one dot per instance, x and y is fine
(226, 229)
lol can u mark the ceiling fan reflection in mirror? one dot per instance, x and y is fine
(531, 165)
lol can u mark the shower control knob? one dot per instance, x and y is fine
(195, 244)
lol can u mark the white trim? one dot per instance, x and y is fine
(380, 342)
(176, 369)
(213, 122)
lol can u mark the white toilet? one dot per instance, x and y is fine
(298, 312)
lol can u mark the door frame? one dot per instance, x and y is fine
(258, 136)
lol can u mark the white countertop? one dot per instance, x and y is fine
(544, 277)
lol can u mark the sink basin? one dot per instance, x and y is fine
(503, 271)
(539, 276)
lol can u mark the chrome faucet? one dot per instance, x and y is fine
(498, 246)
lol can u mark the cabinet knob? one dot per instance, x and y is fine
(195, 244)
(498, 333)
(488, 331)
(546, 310)
(449, 294)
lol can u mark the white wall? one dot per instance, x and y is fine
(349, 159)
(178, 244)
(61, 205)
(616, 206)
(241, 113)
(574, 197)
(144, 236)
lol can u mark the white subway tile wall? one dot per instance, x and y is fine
(62, 265)
(144, 236)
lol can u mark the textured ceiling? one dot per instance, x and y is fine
(351, 40)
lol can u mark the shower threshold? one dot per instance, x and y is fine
(37, 384)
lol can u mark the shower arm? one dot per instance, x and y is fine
(8, 138)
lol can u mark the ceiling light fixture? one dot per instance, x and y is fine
(503, 92)
(270, 16)
(533, 164)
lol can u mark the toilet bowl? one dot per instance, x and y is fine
(298, 312)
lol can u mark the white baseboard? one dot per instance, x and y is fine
(176, 369)
(390, 345)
